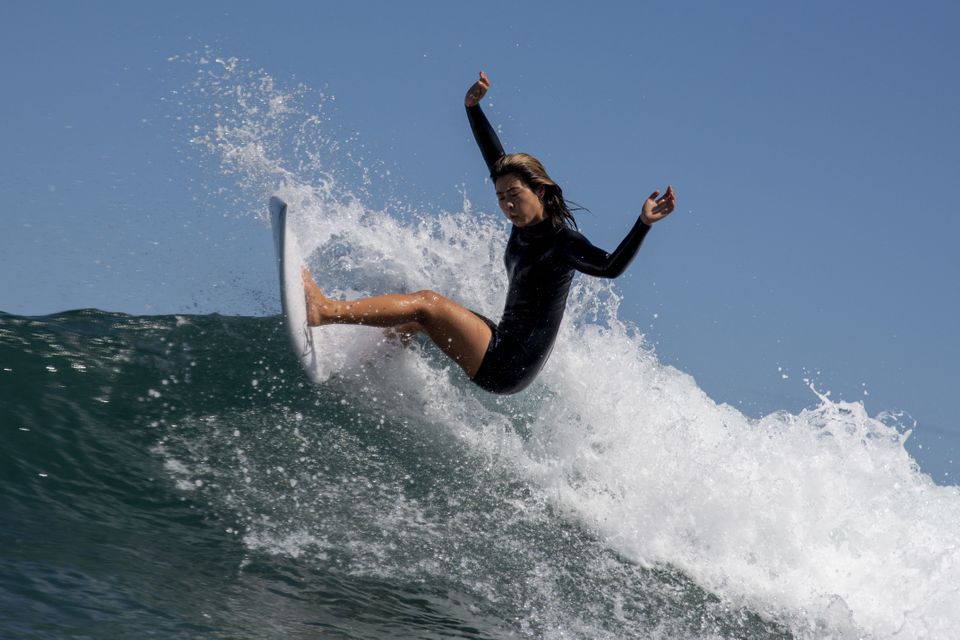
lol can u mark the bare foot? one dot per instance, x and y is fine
(316, 301)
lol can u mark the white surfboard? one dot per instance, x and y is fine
(291, 291)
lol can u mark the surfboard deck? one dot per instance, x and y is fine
(292, 300)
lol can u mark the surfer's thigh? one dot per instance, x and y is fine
(456, 330)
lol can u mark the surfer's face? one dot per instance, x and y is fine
(522, 206)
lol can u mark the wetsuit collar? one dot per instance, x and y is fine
(542, 228)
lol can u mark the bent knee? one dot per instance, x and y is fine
(431, 304)
(428, 298)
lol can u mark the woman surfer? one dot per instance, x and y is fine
(542, 255)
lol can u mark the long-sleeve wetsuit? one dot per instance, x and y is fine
(540, 261)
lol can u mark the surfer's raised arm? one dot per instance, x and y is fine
(483, 132)
(586, 258)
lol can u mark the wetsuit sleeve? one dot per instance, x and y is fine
(485, 136)
(593, 261)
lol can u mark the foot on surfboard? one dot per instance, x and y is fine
(314, 298)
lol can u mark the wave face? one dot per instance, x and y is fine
(177, 476)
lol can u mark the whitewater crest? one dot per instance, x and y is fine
(819, 521)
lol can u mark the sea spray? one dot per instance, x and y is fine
(796, 516)
(819, 520)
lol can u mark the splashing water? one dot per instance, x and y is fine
(820, 521)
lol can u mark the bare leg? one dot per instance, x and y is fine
(456, 330)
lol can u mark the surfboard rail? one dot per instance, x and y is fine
(292, 301)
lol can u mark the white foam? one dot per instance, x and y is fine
(796, 515)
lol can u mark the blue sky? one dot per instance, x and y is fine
(814, 148)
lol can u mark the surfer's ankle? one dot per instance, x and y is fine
(317, 307)
(314, 319)
(316, 302)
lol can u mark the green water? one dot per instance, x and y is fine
(176, 477)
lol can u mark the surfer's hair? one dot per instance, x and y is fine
(531, 171)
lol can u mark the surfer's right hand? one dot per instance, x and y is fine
(476, 92)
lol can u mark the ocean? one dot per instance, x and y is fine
(177, 476)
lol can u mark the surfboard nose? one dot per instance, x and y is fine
(276, 206)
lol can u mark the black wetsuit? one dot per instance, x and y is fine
(540, 260)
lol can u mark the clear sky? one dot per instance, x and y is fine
(815, 148)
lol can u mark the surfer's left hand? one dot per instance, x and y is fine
(658, 208)
(477, 90)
